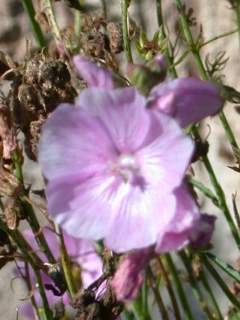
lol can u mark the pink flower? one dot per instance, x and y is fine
(112, 167)
(82, 252)
(188, 100)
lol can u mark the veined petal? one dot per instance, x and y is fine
(123, 113)
(139, 217)
(82, 209)
(165, 154)
(94, 75)
(73, 143)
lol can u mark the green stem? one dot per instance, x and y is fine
(38, 35)
(181, 294)
(217, 187)
(27, 279)
(104, 9)
(126, 40)
(211, 296)
(170, 290)
(195, 287)
(237, 10)
(23, 245)
(223, 35)
(220, 282)
(47, 311)
(37, 231)
(159, 13)
(203, 74)
(66, 264)
(170, 59)
(157, 295)
(48, 8)
(206, 191)
(137, 310)
(219, 192)
(30, 214)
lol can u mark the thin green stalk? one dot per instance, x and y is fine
(195, 287)
(157, 295)
(217, 187)
(77, 23)
(47, 311)
(181, 294)
(30, 214)
(66, 264)
(237, 10)
(170, 291)
(223, 35)
(48, 9)
(23, 245)
(203, 74)
(144, 296)
(27, 279)
(126, 40)
(169, 56)
(211, 296)
(219, 192)
(206, 191)
(233, 299)
(37, 231)
(104, 9)
(137, 310)
(37, 32)
(159, 12)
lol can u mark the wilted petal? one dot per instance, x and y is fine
(188, 100)
(185, 220)
(94, 75)
(202, 233)
(130, 273)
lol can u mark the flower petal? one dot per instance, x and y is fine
(68, 144)
(82, 209)
(94, 75)
(179, 230)
(189, 100)
(130, 273)
(139, 217)
(123, 113)
(202, 233)
(166, 153)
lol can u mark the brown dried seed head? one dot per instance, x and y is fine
(9, 184)
(115, 37)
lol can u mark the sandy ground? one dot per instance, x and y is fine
(216, 18)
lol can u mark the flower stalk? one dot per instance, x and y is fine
(37, 32)
(181, 294)
(125, 30)
(203, 74)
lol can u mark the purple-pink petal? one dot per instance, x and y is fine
(130, 273)
(177, 234)
(93, 74)
(188, 100)
(201, 234)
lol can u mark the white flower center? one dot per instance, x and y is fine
(127, 167)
